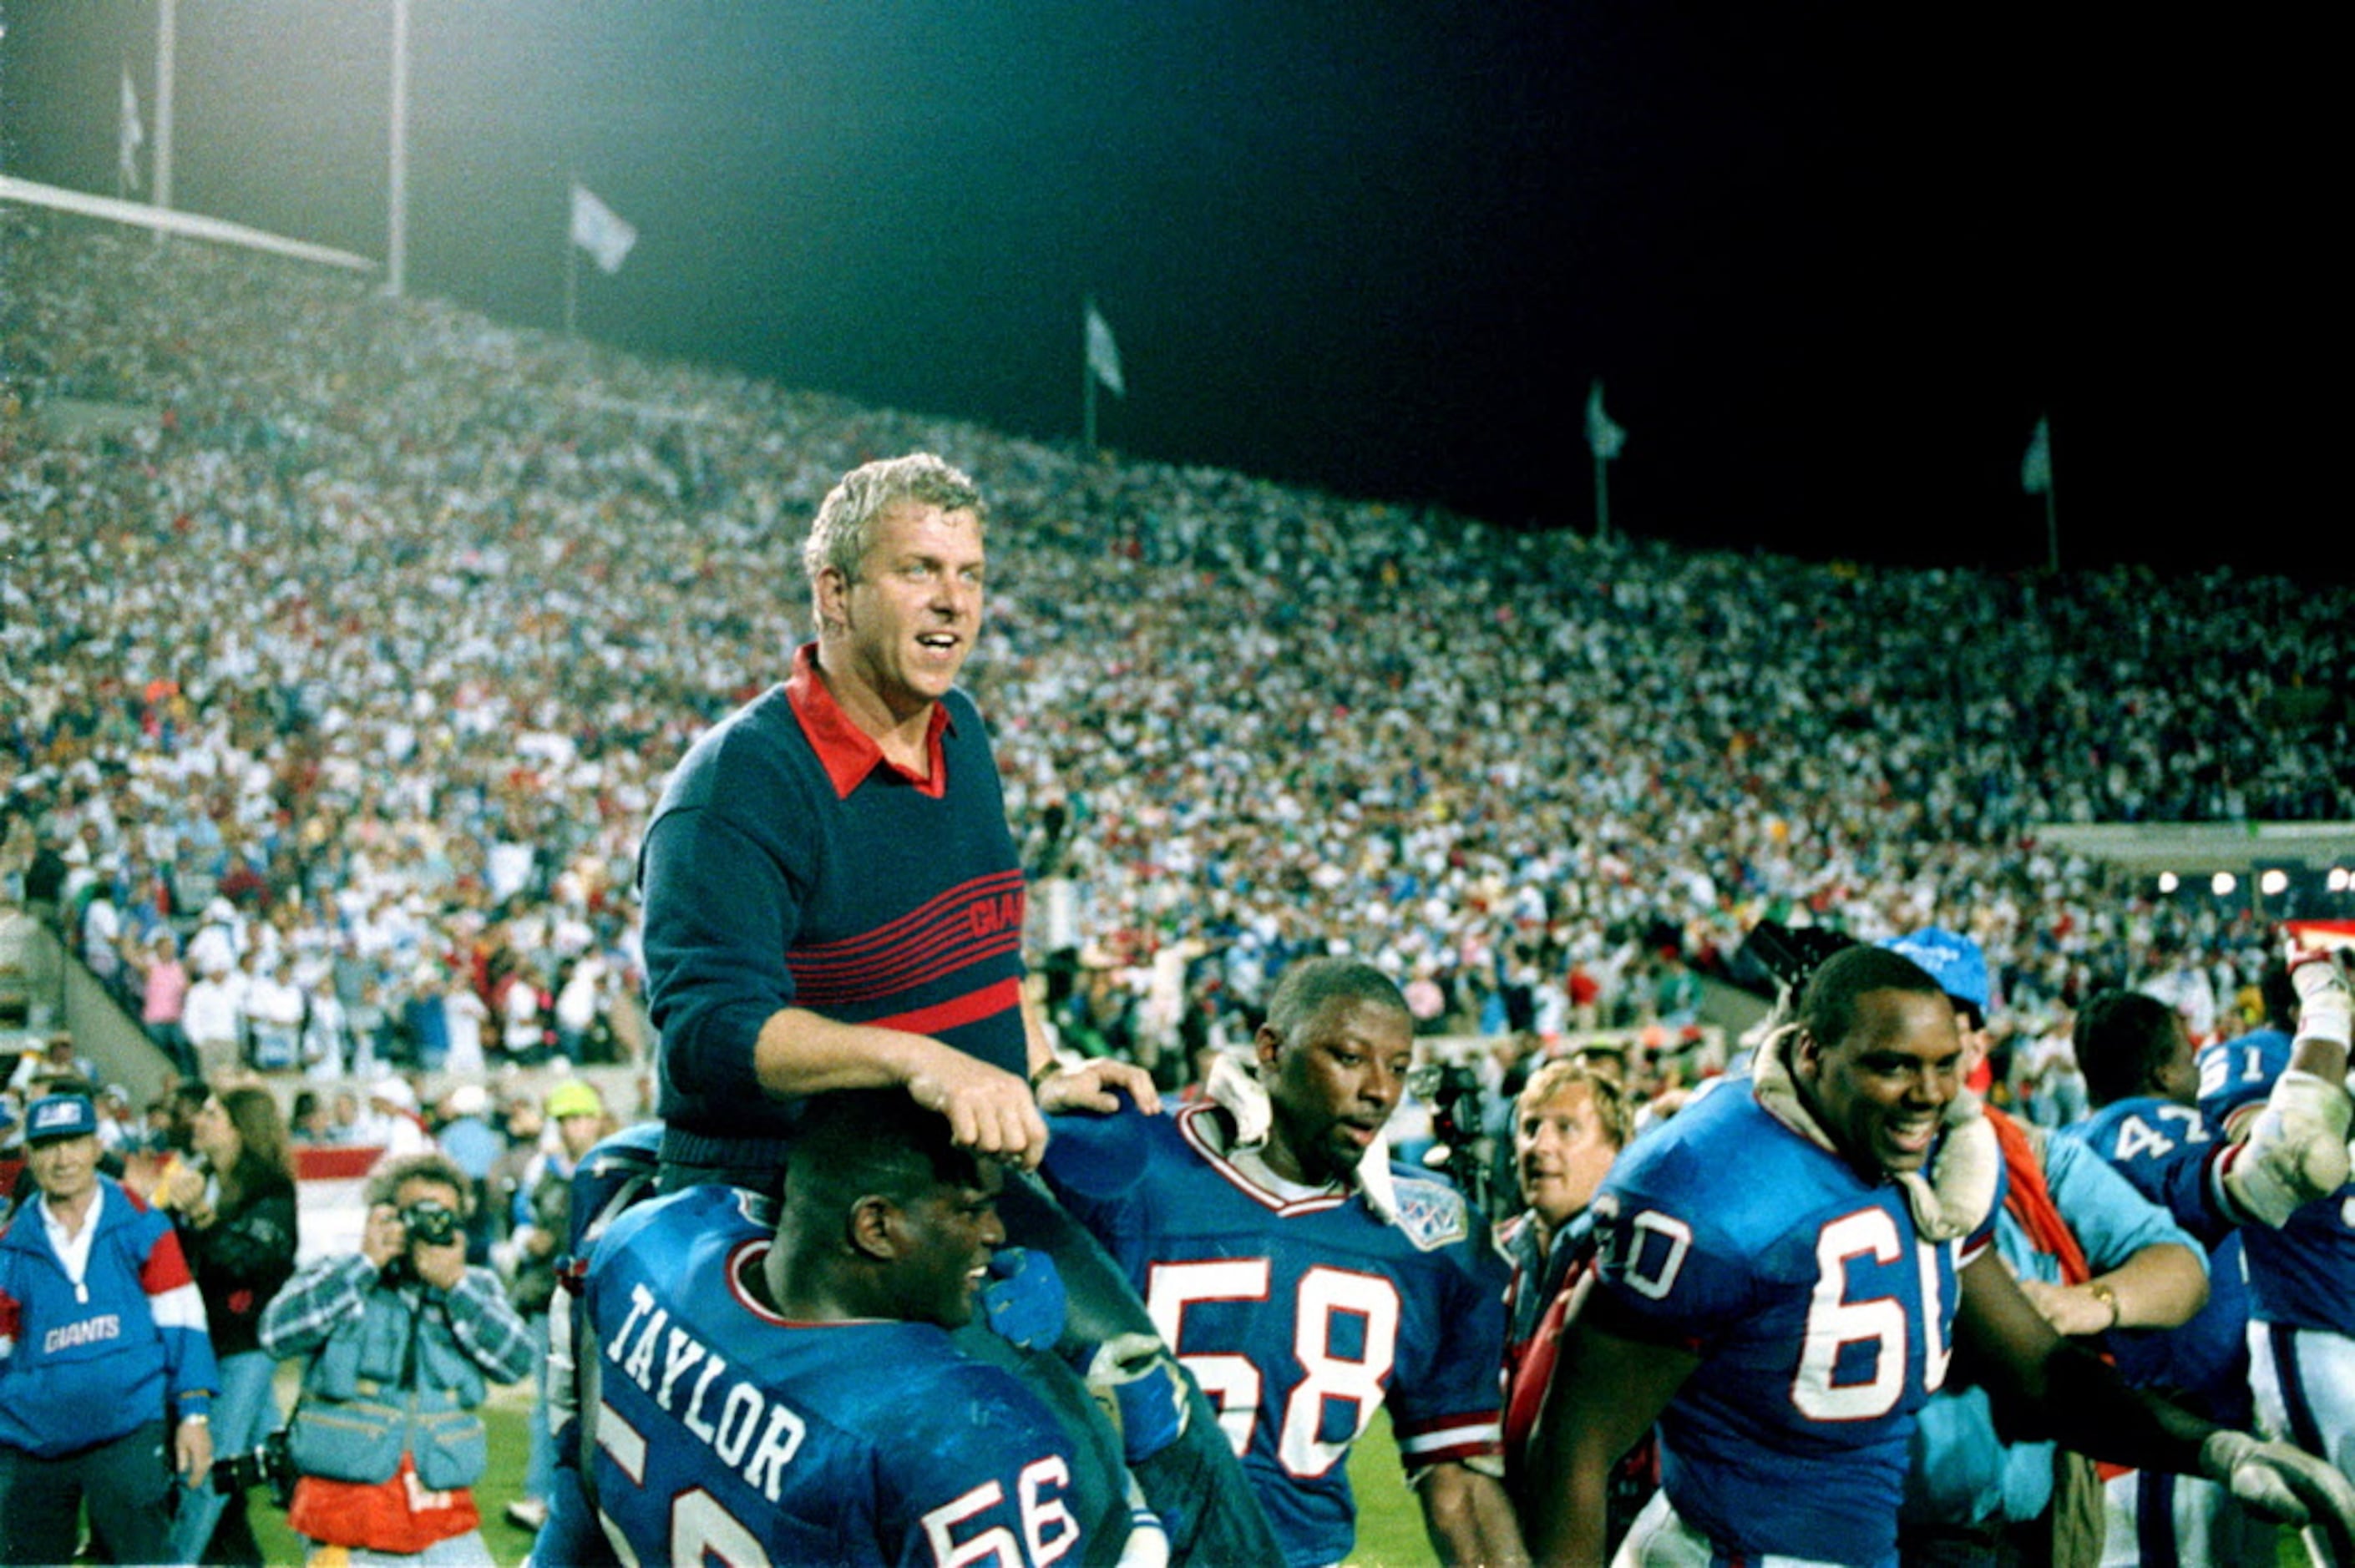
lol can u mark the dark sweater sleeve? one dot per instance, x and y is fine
(720, 873)
(718, 915)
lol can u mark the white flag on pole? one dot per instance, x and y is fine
(2036, 467)
(599, 231)
(1104, 355)
(130, 137)
(1603, 436)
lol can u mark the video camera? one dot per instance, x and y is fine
(272, 1463)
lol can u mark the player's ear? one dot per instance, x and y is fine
(1806, 1055)
(1266, 1046)
(873, 1229)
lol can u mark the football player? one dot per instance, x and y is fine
(789, 1393)
(610, 1179)
(2301, 1276)
(1304, 1279)
(2135, 1053)
(1786, 1270)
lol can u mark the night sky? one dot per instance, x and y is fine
(1832, 261)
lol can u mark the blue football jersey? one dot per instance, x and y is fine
(619, 1172)
(2302, 1275)
(1299, 1313)
(2240, 1072)
(2169, 1152)
(1823, 1323)
(724, 1429)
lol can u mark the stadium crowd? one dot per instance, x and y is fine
(373, 646)
(338, 691)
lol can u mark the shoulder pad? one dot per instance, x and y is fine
(615, 1175)
(1431, 1213)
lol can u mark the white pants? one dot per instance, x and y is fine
(2304, 1380)
(2152, 1517)
(1659, 1539)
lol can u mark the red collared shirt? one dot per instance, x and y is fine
(849, 753)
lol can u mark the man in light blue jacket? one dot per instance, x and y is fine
(2091, 1254)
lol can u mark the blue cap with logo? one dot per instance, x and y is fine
(1954, 960)
(60, 1116)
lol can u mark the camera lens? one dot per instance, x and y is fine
(433, 1223)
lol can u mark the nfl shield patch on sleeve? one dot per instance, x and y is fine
(1430, 1214)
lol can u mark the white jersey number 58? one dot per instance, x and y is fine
(1232, 1382)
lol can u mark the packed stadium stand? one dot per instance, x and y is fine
(376, 625)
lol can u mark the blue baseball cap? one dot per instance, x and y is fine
(1954, 960)
(60, 1116)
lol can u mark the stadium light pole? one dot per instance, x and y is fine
(396, 223)
(168, 37)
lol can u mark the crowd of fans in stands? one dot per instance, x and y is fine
(352, 675)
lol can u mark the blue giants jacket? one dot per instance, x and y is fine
(85, 1365)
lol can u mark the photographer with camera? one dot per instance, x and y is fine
(402, 1339)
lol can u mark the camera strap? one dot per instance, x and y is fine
(408, 1347)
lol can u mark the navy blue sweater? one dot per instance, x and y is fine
(789, 865)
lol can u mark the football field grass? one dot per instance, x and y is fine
(1389, 1526)
(506, 1417)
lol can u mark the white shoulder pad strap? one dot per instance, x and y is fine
(1232, 1084)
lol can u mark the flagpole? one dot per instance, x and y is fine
(1603, 439)
(572, 273)
(2052, 527)
(2036, 478)
(167, 35)
(1087, 385)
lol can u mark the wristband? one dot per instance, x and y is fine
(1046, 1070)
(198, 1419)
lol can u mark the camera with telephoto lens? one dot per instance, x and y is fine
(1788, 955)
(269, 1465)
(435, 1225)
(1453, 1091)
